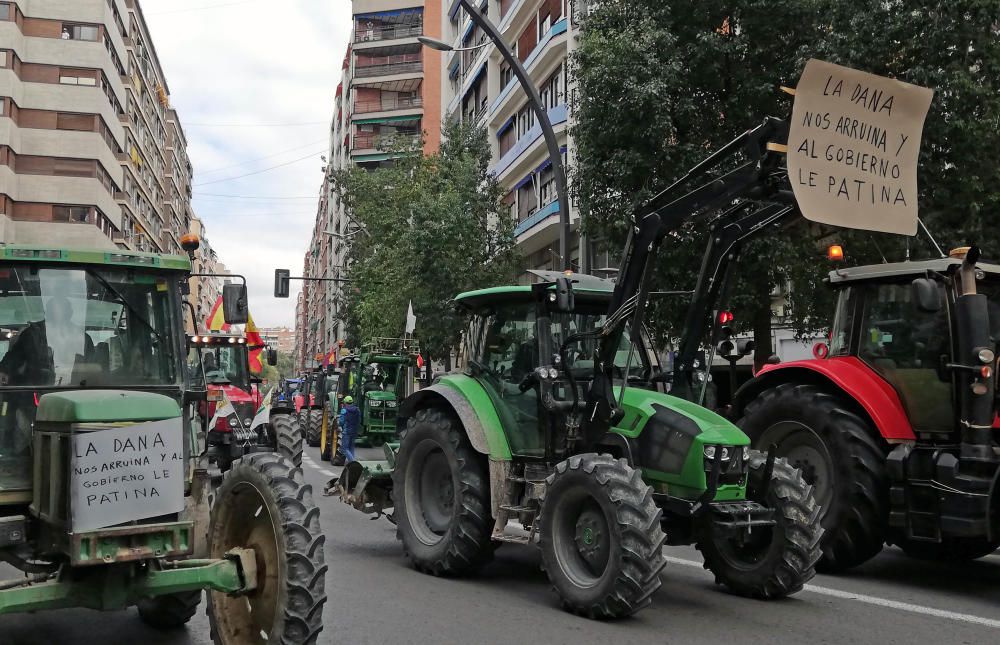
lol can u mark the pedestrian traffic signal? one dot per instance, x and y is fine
(281, 279)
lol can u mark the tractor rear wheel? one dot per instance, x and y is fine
(328, 437)
(768, 561)
(170, 611)
(314, 424)
(600, 536)
(954, 549)
(288, 435)
(442, 497)
(840, 454)
(263, 504)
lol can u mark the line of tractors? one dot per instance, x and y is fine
(141, 465)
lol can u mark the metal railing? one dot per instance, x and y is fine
(391, 32)
(388, 69)
(387, 103)
(379, 141)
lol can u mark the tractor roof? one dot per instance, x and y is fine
(591, 287)
(22, 253)
(902, 270)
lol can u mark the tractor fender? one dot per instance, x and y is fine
(847, 375)
(470, 403)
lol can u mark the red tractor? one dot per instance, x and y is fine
(238, 420)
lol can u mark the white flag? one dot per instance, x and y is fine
(411, 319)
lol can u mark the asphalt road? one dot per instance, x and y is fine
(375, 597)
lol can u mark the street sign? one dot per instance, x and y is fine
(853, 145)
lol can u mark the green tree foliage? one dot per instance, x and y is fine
(433, 230)
(662, 84)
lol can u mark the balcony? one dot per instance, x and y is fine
(388, 103)
(384, 142)
(389, 69)
(388, 32)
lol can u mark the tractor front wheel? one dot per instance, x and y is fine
(170, 611)
(288, 435)
(264, 504)
(314, 424)
(768, 561)
(954, 549)
(840, 454)
(600, 536)
(442, 497)
(328, 437)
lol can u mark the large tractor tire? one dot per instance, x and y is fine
(772, 561)
(264, 504)
(953, 549)
(171, 611)
(840, 454)
(328, 437)
(313, 427)
(442, 497)
(288, 435)
(600, 535)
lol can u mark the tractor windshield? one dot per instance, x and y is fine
(223, 364)
(73, 328)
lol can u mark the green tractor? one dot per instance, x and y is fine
(519, 448)
(378, 378)
(104, 484)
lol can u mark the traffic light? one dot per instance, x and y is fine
(281, 279)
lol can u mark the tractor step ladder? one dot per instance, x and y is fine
(508, 510)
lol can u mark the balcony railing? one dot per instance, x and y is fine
(390, 32)
(380, 141)
(387, 103)
(388, 69)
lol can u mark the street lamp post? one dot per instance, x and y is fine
(535, 102)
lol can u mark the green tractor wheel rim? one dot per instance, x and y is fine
(804, 449)
(430, 493)
(248, 523)
(581, 538)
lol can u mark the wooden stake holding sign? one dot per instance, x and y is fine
(853, 146)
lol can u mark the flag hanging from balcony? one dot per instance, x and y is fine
(255, 345)
(216, 318)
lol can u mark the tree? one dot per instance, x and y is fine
(661, 84)
(434, 229)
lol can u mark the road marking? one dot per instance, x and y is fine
(875, 600)
(309, 462)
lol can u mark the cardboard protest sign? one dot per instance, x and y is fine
(853, 144)
(128, 473)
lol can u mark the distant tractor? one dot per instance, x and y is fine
(104, 487)
(378, 378)
(237, 419)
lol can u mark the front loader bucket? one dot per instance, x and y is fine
(365, 485)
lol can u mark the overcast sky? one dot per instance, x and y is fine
(254, 82)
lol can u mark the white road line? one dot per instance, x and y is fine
(875, 600)
(326, 472)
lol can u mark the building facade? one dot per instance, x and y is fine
(279, 338)
(91, 153)
(389, 95)
(481, 88)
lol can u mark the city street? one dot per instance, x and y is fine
(375, 597)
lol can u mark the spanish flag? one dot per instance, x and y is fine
(255, 344)
(217, 319)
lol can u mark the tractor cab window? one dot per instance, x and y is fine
(380, 377)
(843, 323)
(905, 346)
(224, 364)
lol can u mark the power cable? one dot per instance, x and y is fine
(253, 196)
(249, 161)
(254, 125)
(257, 172)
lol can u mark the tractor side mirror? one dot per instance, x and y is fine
(565, 302)
(926, 295)
(234, 304)
(272, 357)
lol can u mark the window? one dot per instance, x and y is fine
(6, 12)
(80, 32)
(3, 57)
(506, 75)
(77, 214)
(547, 191)
(68, 76)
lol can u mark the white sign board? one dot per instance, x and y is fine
(853, 145)
(128, 473)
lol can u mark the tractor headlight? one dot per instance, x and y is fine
(233, 421)
(553, 373)
(746, 453)
(375, 403)
(247, 422)
(711, 450)
(390, 404)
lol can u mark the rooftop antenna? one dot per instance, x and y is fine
(879, 249)
(931, 237)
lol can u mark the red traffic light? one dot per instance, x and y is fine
(726, 317)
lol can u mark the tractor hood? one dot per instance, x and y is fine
(639, 406)
(105, 406)
(379, 395)
(233, 393)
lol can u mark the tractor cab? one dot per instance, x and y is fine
(220, 361)
(378, 377)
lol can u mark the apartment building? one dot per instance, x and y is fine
(389, 95)
(91, 153)
(481, 88)
(279, 338)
